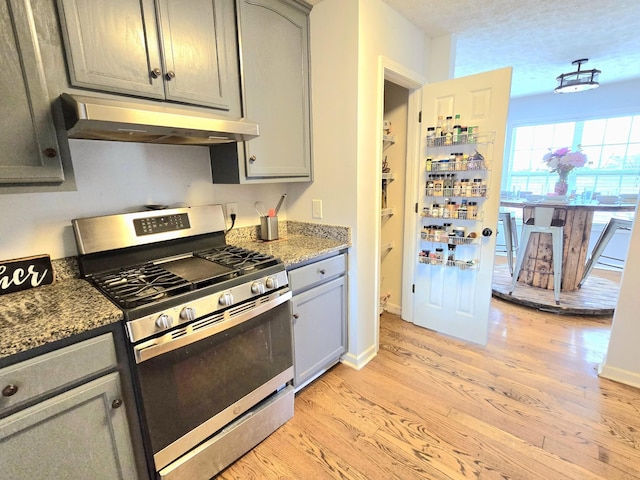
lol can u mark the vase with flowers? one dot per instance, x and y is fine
(562, 162)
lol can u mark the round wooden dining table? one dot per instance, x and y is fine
(537, 265)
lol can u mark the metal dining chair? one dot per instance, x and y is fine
(543, 222)
(508, 221)
(598, 249)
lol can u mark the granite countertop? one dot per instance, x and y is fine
(32, 318)
(71, 305)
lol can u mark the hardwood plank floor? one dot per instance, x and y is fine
(529, 405)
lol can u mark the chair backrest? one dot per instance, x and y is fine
(542, 216)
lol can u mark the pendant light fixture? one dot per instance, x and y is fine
(579, 80)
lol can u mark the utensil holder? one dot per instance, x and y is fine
(268, 228)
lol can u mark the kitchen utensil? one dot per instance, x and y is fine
(260, 209)
(280, 203)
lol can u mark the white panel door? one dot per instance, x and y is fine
(452, 297)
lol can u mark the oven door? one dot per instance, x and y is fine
(195, 380)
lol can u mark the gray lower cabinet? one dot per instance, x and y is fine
(163, 49)
(29, 151)
(77, 432)
(274, 38)
(319, 317)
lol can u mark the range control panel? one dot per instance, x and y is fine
(161, 224)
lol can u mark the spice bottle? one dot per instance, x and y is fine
(472, 210)
(431, 135)
(428, 164)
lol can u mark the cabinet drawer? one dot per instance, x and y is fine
(312, 274)
(53, 370)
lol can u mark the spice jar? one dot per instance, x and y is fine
(431, 136)
(472, 210)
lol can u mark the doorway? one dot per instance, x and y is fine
(392, 201)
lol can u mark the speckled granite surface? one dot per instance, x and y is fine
(298, 241)
(70, 306)
(42, 315)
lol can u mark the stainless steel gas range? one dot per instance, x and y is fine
(210, 331)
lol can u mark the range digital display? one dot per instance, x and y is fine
(161, 224)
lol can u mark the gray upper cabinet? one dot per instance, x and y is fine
(275, 63)
(29, 150)
(167, 49)
(275, 72)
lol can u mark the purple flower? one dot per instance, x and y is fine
(562, 151)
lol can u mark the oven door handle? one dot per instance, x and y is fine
(188, 335)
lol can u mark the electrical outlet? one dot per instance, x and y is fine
(232, 208)
(316, 208)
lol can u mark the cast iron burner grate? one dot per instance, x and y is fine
(238, 258)
(140, 285)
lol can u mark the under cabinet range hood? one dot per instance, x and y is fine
(98, 118)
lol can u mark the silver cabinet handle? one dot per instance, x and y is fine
(322, 271)
(155, 73)
(170, 75)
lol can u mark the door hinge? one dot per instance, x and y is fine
(416, 207)
(413, 288)
(420, 116)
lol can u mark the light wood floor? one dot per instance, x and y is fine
(529, 405)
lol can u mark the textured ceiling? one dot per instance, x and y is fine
(538, 38)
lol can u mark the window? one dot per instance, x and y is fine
(612, 146)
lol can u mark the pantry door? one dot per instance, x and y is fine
(453, 298)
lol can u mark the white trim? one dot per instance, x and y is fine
(359, 361)
(619, 375)
(398, 74)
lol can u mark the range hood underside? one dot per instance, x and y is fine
(97, 118)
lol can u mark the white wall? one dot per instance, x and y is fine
(113, 177)
(347, 39)
(622, 362)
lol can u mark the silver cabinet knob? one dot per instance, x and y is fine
(155, 73)
(170, 75)
(296, 316)
(117, 403)
(226, 299)
(188, 313)
(322, 271)
(257, 287)
(164, 321)
(252, 158)
(50, 152)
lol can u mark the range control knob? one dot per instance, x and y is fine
(226, 299)
(188, 313)
(257, 287)
(271, 282)
(164, 321)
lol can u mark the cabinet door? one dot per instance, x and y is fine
(195, 41)
(319, 329)
(275, 63)
(78, 434)
(29, 151)
(112, 46)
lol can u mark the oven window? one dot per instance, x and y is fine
(183, 388)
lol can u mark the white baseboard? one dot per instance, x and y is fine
(393, 308)
(358, 362)
(619, 375)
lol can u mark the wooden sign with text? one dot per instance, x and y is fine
(25, 273)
